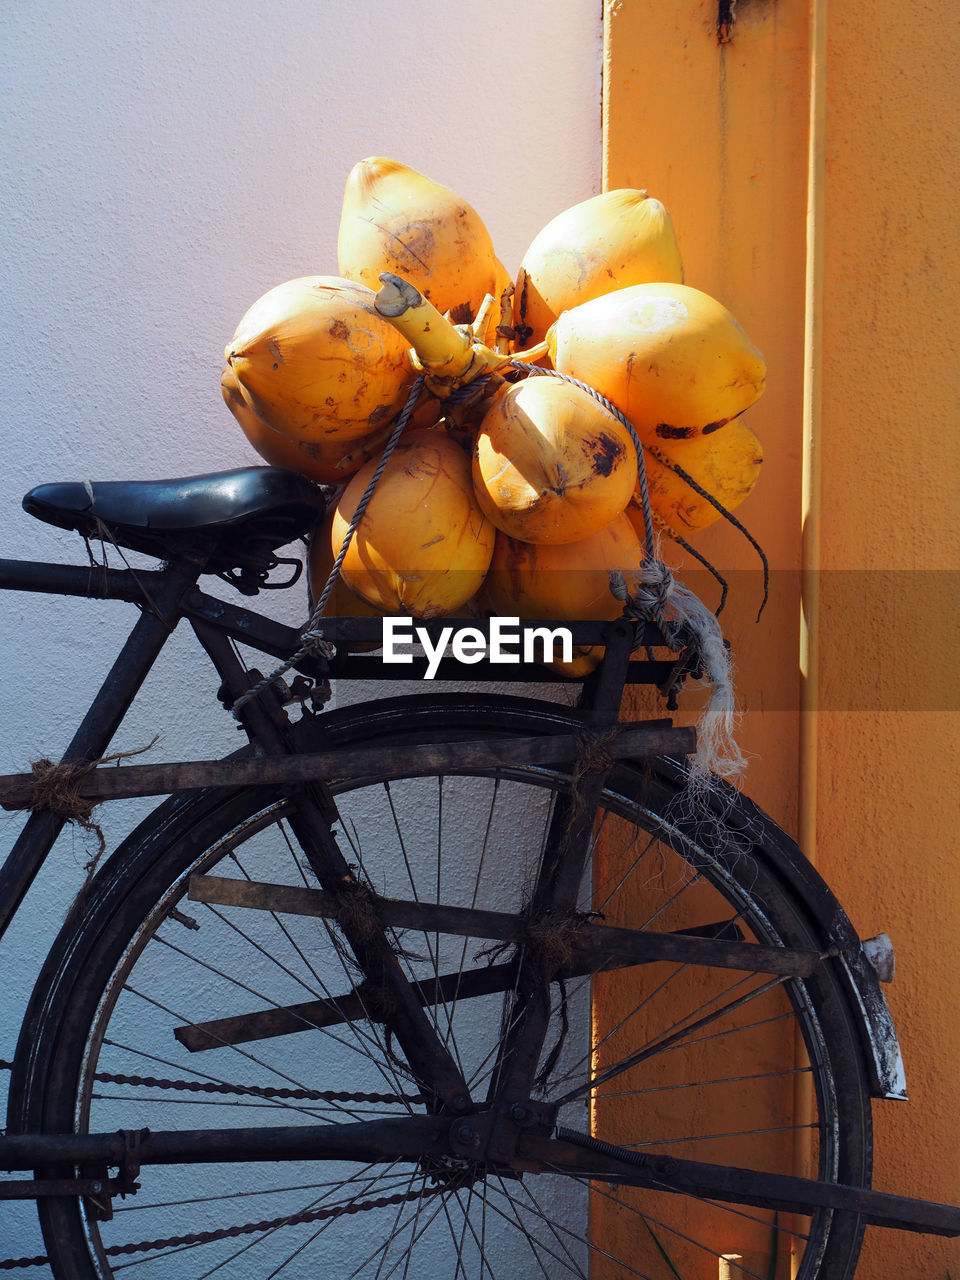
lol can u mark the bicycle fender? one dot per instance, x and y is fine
(882, 1048)
(878, 1036)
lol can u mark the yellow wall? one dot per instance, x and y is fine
(811, 167)
(681, 119)
(891, 500)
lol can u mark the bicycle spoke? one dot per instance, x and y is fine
(703, 1084)
(580, 1238)
(670, 1037)
(370, 1045)
(297, 1084)
(467, 1226)
(369, 1039)
(681, 1139)
(138, 1206)
(324, 989)
(604, 903)
(410, 876)
(548, 1221)
(577, 1067)
(262, 950)
(150, 1057)
(281, 827)
(474, 898)
(674, 1231)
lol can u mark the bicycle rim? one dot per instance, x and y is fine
(681, 1060)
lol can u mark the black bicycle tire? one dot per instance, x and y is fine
(96, 930)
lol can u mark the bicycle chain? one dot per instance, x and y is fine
(257, 1091)
(260, 1091)
(248, 1228)
(272, 1224)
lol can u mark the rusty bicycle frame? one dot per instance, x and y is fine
(506, 1126)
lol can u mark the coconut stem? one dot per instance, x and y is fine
(448, 354)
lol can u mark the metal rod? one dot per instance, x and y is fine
(347, 631)
(654, 738)
(363, 666)
(312, 814)
(313, 1015)
(598, 945)
(558, 881)
(392, 1138)
(92, 581)
(737, 1186)
(415, 1137)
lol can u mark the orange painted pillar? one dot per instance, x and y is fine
(719, 134)
(809, 160)
(887, 807)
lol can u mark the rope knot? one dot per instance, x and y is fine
(56, 789)
(317, 643)
(650, 598)
(553, 936)
(594, 756)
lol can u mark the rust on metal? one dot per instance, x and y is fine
(17, 791)
(590, 948)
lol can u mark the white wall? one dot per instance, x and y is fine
(162, 166)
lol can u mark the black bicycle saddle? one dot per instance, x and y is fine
(236, 510)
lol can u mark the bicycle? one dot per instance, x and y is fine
(480, 954)
(320, 930)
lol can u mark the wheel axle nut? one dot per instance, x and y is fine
(467, 1135)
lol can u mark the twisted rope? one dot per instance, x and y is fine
(312, 637)
(611, 408)
(711, 569)
(683, 618)
(688, 623)
(688, 479)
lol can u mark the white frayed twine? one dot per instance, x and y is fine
(686, 621)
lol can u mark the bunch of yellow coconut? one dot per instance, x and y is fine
(506, 493)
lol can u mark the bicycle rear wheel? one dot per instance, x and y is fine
(670, 1058)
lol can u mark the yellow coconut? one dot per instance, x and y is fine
(423, 545)
(395, 219)
(566, 581)
(315, 360)
(671, 358)
(550, 463)
(342, 602)
(326, 461)
(726, 464)
(608, 242)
